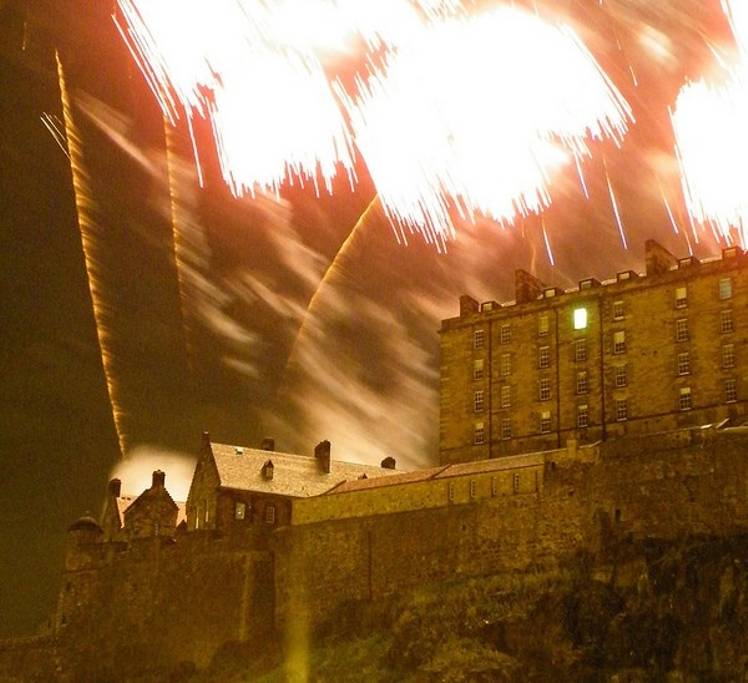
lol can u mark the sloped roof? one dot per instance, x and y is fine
(396, 478)
(123, 502)
(181, 511)
(295, 476)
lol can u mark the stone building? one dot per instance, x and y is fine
(640, 353)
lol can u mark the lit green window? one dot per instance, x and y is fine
(580, 318)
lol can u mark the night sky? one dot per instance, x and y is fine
(366, 370)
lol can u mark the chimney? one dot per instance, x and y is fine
(388, 463)
(159, 478)
(115, 488)
(527, 287)
(322, 455)
(267, 444)
(468, 305)
(267, 469)
(659, 260)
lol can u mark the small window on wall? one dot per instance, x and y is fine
(505, 364)
(478, 401)
(545, 422)
(478, 369)
(725, 321)
(270, 513)
(544, 357)
(618, 310)
(684, 399)
(725, 288)
(580, 350)
(582, 384)
(622, 410)
(240, 510)
(543, 326)
(684, 363)
(728, 356)
(583, 417)
(505, 334)
(506, 396)
(479, 339)
(681, 297)
(479, 433)
(515, 483)
(731, 390)
(681, 330)
(619, 342)
(472, 488)
(544, 389)
(580, 318)
(506, 429)
(621, 376)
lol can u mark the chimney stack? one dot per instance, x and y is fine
(659, 260)
(115, 488)
(159, 479)
(267, 469)
(388, 463)
(267, 444)
(527, 287)
(322, 455)
(468, 305)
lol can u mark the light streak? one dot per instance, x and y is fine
(332, 268)
(466, 114)
(711, 140)
(57, 135)
(88, 228)
(616, 213)
(179, 242)
(667, 208)
(547, 243)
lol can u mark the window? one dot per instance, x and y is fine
(207, 513)
(240, 510)
(728, 356)
(478, 401)
(506, 429)
(681, 297)
(270, 513)
(619, 342)
(583, 417)
(684, 399)
(505, 365)
(725, 288)
(451, 491)
(725, 321)
(479, 339)
(544, 357)
(543, 324)
(582, 382)
(506, 396)
(731, 390)
(580, 318)
(479, 434)
(515, 482)
(472, 488)
(580, 350)
(684, 363)
(494, 486)
(156, 528)
(478, 369)
(199, 515)
(622, 410)
(681, 330)
(618, 310)
(505, 334)
(545, 422)
(621, 376)
(544, 389)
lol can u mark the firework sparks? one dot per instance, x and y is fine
(431, 119)
(50, 123)
(616, 212)
(88, 228)
(709, 121)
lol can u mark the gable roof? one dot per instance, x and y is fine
(123, 502)
(150, 493)
(294, 476)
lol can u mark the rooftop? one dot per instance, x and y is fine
(294, 476)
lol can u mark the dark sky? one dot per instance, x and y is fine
(216, 359)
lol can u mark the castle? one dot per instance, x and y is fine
(275, 542)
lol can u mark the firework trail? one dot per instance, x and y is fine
(88, 228)
(430, 118)
(54, 130)
(709, 121)
(181, 249)
(334, 267)
(614, 204)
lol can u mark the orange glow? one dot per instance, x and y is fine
(466, 113)
(709, 121)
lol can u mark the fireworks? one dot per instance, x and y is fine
(452, 113)
(709, 121)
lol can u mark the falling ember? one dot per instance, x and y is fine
(458, 113)
(88, 228)
(547, 244)
(616, 213)
(709, 121)
(667, 208)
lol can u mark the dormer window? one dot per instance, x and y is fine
(240, 510)
(270, 513)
